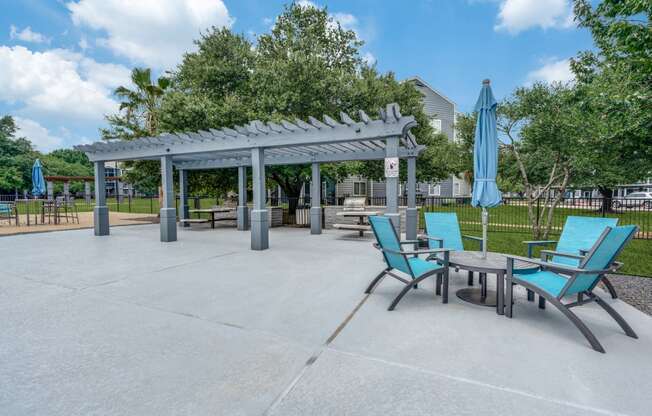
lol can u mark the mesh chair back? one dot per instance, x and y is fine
(602, 255)
(444, 225)
(387, 239)
(580, 233)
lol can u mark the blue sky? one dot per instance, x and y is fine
(61, 59)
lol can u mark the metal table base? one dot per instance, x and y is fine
(475, 297)
(479, 296)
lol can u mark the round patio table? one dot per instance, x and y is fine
(494, 263)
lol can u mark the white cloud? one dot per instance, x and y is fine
(552, 70)
(519, 15)
(27, 35)
(346, 20)
(59, 83)
(40, 137)
(153, 32)
(369, 58)
(83, 43)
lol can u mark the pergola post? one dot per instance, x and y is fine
(411, 213)
(315, 200)
(101, 211)
(50, 189)
(119, 192)
(66, 191)
(168, 217)
(87, 192)
(243, 209)
(259, 225)
(391, 183)
(183, 196)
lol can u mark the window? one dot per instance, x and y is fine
(434, 190)
(360, 188)
(435, 123)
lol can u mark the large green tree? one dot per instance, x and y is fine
(614, 84)
(543, 130)
(17, 156)
(307, 65)
(139, 117)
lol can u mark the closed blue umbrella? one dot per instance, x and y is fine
(485, 158)
(38, 182)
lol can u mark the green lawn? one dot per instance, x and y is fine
(514, 217)
(136, 205)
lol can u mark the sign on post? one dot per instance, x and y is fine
(391, 167)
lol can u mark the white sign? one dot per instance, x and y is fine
(391, 167)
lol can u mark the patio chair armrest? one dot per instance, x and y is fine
(539, 242)
(474, 238)
(413, 252)
(556, 267)
(547, 253)
(429, 237)
(533, 243)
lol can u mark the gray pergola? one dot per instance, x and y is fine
(259, 144)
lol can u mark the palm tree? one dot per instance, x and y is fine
(138, 117)
(141, 104)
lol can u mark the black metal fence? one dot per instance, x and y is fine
(511, 216)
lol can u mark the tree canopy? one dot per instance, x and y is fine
(17, 156)
(307, 65)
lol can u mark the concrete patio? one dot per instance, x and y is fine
(127, 325)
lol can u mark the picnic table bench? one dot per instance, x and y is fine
(212, 212)
(355, 207)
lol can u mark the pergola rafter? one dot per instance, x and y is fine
(259, 144)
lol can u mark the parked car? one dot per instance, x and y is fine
(635, 199)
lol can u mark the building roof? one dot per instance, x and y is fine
(420, 80)
(284, 142)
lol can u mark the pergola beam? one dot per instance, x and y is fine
(257, 135)
(278, 159)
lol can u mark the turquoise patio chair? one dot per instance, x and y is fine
(406, 263)
(443, 231)
(7, 211)
(577, 237)
(554, 281)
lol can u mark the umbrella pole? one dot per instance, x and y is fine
(485, 225)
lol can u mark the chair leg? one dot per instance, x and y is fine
(405, 290)
(445, 284)
(610, 287)
(438, 284)
(376, 280)
(595, 344)
(470, 280)
(621, 321)
(509, 297)
(542, 302)
(530, 295)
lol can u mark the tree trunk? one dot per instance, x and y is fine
(607, 199)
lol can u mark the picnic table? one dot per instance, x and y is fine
(362, 224)
(211, 211)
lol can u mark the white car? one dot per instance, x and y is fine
(635, 199)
